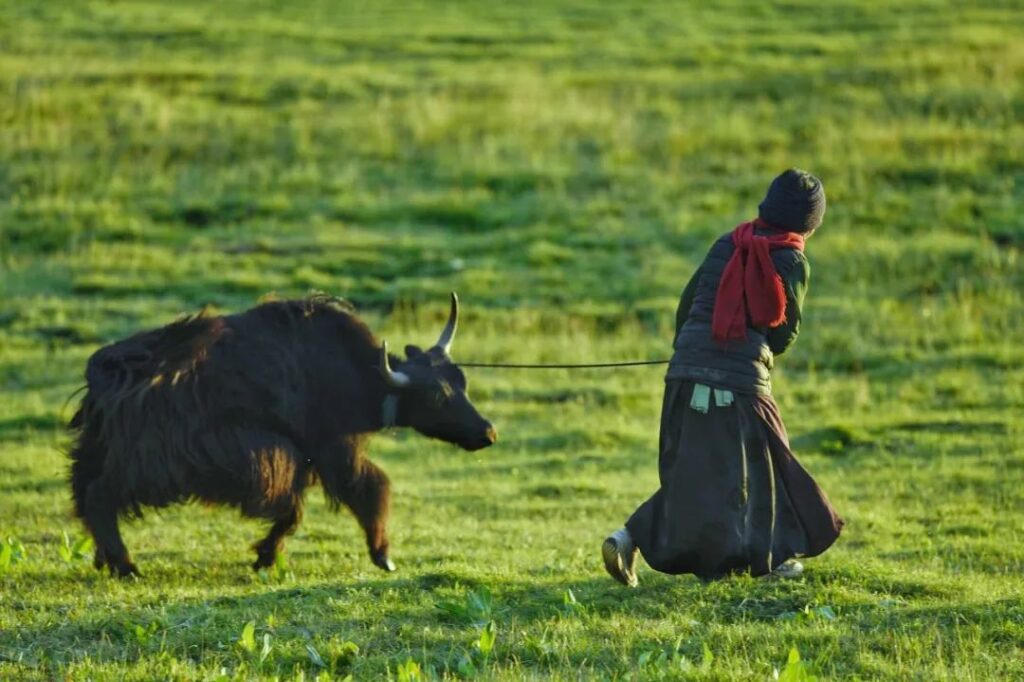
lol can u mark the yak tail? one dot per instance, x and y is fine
(87, 457)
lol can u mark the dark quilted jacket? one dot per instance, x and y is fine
(743, 366)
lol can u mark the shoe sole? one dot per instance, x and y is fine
(788, 572)
(613, 564)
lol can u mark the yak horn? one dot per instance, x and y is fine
(393, 378)
(448, 335)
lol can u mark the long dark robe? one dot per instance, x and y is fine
(733, 497)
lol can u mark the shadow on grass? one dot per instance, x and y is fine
(27, 426)
(388, 615)
(27, 485)
(384, 616)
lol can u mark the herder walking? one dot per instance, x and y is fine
(733, 498)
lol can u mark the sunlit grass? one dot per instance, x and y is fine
(563, 167)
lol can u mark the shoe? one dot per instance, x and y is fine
(619, 554)
(789, 569)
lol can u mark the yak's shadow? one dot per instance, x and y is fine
(367, 611)
(426, 603)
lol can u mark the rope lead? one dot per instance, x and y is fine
(505, 365)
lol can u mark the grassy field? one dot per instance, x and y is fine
(563, 166)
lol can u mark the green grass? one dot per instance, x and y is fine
(563, 166)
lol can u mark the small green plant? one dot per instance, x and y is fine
(71, 552)
(247, 640)
(478, 607)
(488, 637)
(410, 671)
(707, 658)
(570, 605)
(472, 662)
(335, 657)
(266, 648)
(248, 643)
(672, 659)
(345, 654)
(314, 657)
(795, 670)
(12, 552)
(144, 634)
(541, 646)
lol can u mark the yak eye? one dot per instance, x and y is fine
(440, 396)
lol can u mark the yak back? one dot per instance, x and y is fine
(171, 351)
(251, 343)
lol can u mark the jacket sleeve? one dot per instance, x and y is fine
(686, 301)
(795, 280)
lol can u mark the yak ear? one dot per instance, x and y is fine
(412, 351)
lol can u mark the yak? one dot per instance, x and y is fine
(249, 410)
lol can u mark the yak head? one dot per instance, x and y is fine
(429, 391)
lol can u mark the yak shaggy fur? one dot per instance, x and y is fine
(246, 410)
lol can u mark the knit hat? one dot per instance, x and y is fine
(795, 201)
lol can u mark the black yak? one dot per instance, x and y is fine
(249, 410)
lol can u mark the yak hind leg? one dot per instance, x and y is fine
(268, 548)
(368, 495)
(86, 466)
(100, 517)
(280, 482)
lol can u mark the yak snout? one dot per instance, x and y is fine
(489, 437)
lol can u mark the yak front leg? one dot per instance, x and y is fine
(360, 485)
(370, 500)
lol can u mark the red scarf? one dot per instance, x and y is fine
(750, 287)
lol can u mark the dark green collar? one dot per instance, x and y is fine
(389, 410)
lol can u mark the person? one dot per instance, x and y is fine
(733, 497)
